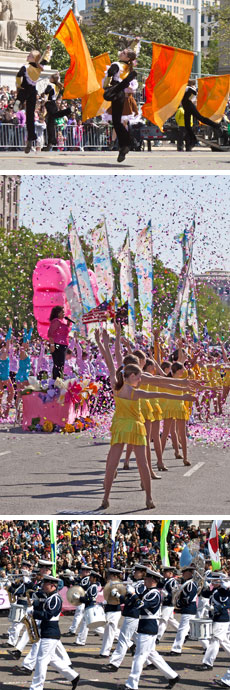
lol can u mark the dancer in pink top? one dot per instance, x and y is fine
(58, 335)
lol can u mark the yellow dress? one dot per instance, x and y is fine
(128, 424)
(146, 406)
(156, 408)
(205, 374)
(189, 375)
(226, 380)
(173, 409)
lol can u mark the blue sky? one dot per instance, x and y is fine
(128, 202)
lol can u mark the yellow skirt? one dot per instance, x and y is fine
(128, 431)
(177, 410)
(146, 409)
(157, 411)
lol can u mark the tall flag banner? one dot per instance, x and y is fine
(115, 525)
(144, 269)
(166, 83)
(163, 542)
(102, 262)
(184, 307)
(80, 78)
(53, 541)
(192, 312)
(126, 283)
(213, 94)
(180, 292)
(101, 312)
(94, 104)
(187, 239)
(87, 297)
(213, 545)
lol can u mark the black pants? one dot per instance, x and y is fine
(28, 94)
(53, 114)
(58, 359)
(121, 132)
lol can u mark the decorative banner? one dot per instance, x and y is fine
(187, 239)
(184, 307)
(186, 557)
(163, 542)
(80, 78)
(126, 283)
(53, 540)
(166, 83)
(213, 93)
(102, 262)
(101, 312)
(94, 104)
(86, 293)
(180, 291)
(115, 525)
(144, 269)
(213, 545)
(192, 311)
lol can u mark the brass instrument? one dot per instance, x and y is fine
(113, 584)
(72, 591)
(31, 627)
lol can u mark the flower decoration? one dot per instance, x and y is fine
(69, 428)
(48, 426)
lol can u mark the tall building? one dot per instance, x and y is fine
(219, 281)
(9, 201)
(207, 20)
(224, 59)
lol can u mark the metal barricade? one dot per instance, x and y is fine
(12, 136)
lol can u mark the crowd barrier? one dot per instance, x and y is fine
(69, 137)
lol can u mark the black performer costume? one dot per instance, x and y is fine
(53, 91)
(190, 109)
(118, 78)
(26, 80)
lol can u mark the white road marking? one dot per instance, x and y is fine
(5, 452)
(193, 469)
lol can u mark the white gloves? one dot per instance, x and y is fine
(130, 589)
(115, 593)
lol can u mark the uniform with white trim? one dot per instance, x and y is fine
(113, 614)
(220, 602)
(167, 608)
(88, 600)
(131, 612)
(188, 606)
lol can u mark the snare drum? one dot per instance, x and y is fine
(94, 616)
(200, 629)
(16, 613)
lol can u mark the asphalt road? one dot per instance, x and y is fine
(163, 158)
(86, 661)
(44, 474)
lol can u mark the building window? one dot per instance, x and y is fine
(188, 18)
(209, 31)
(202, 18)
(202, 32)
(202, 44)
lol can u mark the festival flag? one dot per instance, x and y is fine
(122, 314)
(94, 104)
(84, 285)
(163, 542)
(213, 93)
(53, 539)
(192, 311)
(144, 269)
(187, 240)
(126, 283)
(180, 292)
(166, 83)
(102, 262)
(80, 78)
(184, 307)
(101, 312)
(115, 525)
(213, 545)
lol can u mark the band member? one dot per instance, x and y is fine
(191, 110)
(113, 614)
(50, 646)
(89, 599)
(122, 76)
(223, 682)
(130, 612)
(28, 664)
(203, 598)
(220, 603)
(26, 80)
(167, 608)
(187, 605)
(147, 632)
(18, 590)
(53, 90)
(83, 580)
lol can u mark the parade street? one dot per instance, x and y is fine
(63, 474)
(86, 661)
(164, 157)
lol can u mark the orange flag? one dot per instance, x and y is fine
(213, 95)
(80, 78)
(166, 83)
(94, 104)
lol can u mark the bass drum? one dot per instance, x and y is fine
(94, 616)
(16, 613)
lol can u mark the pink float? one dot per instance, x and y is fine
(50, 279)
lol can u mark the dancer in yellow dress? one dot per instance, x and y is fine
(150, 368)
(176, 410)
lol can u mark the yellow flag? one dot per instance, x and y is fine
(213, 95)
(166, 83)
(94, 104)
(80, 78)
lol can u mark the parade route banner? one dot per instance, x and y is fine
(126, 283)
(80, 78)
(102, 262)
(94, 104)
(144, 269)
(166, 83)
(213, 93)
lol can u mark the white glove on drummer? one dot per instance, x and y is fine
(130, 589)
(115, 593)
(29, 609)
